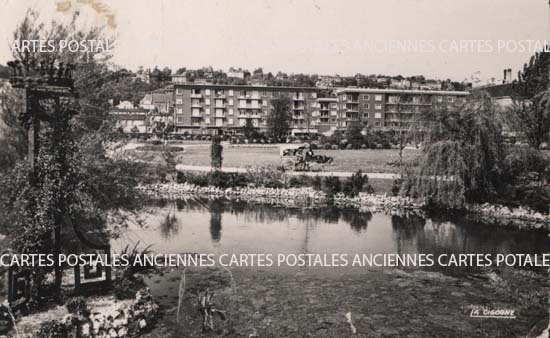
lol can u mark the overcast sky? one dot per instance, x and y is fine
(310, 36)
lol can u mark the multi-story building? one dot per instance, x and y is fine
(388, 108)
(129, 119)
(326, 115)
(214, 108)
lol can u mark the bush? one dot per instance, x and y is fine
(77, 306)
(356, 183)
(266, 176)
(317, 183)
(331, 185)
(52, 329)
(124, 289)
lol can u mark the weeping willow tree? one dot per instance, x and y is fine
(461, 154)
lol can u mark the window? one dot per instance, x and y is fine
(207, 110)
(378, 106)
(230, 120)
(377, 115)
(207, 101)
(230, 102)
(377, 124)
(179, 110)
(366, 105)
(439, 99)
(264, 103)
(230, 111)
(366, 115)
(313, 95)
(366, 97)
(179, 101)
(180, 119)
(207, 120)
(207, 92)
(179, 91)
(230, 92)
(378, 97)
(264, 94)
(450, 99)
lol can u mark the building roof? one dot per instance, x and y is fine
(400, 91)
(251, 87)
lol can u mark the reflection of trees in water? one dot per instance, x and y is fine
(359, 221)
(406, 230)
(169, 226)
(216, 208)
(456, 234)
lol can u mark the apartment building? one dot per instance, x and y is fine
(212, 108)
(388, 108)
(326, 115)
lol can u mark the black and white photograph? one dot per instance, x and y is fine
(274, 168)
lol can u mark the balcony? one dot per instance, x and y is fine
(196, 96)
(196, 114)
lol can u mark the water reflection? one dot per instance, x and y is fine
(216, 210)
(238, 227)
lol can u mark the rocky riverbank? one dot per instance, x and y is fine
(521, 218)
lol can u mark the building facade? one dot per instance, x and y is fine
(388, 108)
(211, 108)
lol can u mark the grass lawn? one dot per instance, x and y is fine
(374, 161)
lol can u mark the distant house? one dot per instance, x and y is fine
(129, 119)
(239, 74)
(160, 108)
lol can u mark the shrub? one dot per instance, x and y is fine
(356, 183)
(77, 306)
(52, 329)
(124, 289)
(267, 176)
(317, 183)
(331, 185)
(216, 178)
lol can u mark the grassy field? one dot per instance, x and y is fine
(374, 161)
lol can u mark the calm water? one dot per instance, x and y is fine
(236, 227)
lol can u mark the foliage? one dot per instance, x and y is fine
(52, 329)
(266, 176)
(278, 120)
(331, 185)
(249, 131)
(532, 118)
(462, 153)
(353, 134)
(77, 306)
(356, 183)
(169, 158)
(216, 150)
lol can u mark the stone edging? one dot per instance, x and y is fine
(521, 218)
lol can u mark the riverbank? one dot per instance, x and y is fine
(380, 303)
(520, 218)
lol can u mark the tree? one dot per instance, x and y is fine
(249, 130)
(216, 150)
(75, 184)
(278, 121)
(532, 118)
(354, 135)
(462, 155)
(531, 111)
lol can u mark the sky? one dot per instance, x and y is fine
(308, 36)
